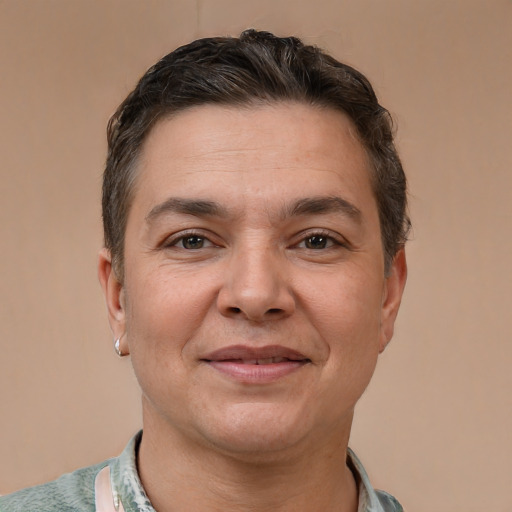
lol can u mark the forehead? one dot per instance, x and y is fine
(256, 154)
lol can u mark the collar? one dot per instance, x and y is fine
(126, 484)
(369, 499)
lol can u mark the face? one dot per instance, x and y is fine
(254, 303)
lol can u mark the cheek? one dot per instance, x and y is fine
(353, 352)
(345, 306)
(348, 316)
(161, 319)
(163, 313)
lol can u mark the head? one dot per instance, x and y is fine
(256, 68)
(254, 210)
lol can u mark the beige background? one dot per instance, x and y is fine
(435, 426)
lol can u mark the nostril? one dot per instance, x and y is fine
(235, 310)
(275, 311)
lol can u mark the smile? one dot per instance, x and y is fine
(268, 360)
(252, 365)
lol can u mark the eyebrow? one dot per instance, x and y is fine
(306, 206)
(196, 207)
(324, 205)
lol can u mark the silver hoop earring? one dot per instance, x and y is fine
(117, 347)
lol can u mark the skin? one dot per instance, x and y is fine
(289, 256)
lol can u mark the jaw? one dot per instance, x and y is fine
(264, 426)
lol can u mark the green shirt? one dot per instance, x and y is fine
(74, 492)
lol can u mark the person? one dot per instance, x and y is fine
(254, 211)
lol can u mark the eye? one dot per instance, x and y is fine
(190, 242)
(318, 242)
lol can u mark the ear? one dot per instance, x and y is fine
(114, 297)
(391, 297)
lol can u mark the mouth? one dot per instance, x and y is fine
(262, 361)
(256, 365)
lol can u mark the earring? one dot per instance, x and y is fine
(117, 347)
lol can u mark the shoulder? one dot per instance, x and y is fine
(389, 503)
(71, 492)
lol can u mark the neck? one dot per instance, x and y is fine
(179, 475)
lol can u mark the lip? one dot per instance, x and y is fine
(256, 365)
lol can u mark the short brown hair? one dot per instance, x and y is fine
(255, 68)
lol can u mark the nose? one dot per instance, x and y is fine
(256, 286)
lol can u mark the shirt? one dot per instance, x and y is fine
(74, 492)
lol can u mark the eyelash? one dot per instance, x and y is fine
(332, 241)
(174, 241)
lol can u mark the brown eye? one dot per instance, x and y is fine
(316, 242)
(192, 242)
(188, 241)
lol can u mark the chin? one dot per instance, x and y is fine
(255, 431)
